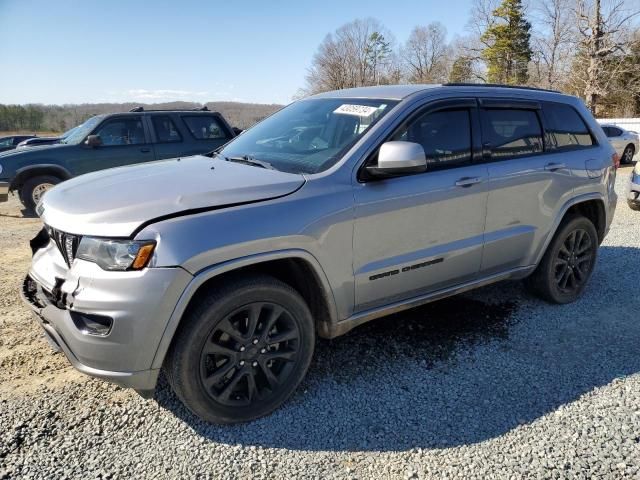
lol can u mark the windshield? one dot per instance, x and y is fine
(80, 132)
(69, 132)
(308, 136)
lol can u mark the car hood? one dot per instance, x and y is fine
(115, 202)
(31, 150)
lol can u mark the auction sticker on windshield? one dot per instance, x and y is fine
(357, 110)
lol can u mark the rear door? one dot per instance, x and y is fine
(125, 141)
(169, 140)
(419, 233)
(528, 182)
(205, 132)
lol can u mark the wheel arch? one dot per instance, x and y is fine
(25, 173)
(591, 206)
(297, 268)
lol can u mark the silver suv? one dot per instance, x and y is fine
(341, 208)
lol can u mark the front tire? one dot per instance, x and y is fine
(32, 190)
(568, 262)
(242, 351)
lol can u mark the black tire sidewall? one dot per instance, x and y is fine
(26, 191)
(185, 358)
(553, 289)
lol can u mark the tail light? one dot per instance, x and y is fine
(615, 158)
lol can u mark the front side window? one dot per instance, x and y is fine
(309, 136)
(166, 131)
(565, 127)
(205, 127)
(122, 131)
(512, 133)
(6, 142)
(445, 137)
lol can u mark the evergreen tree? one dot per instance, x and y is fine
(508, 50)
(461, 70)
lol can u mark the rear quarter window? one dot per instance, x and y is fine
(205, 127)
(566, 130)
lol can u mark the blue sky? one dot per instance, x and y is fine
(119, 50)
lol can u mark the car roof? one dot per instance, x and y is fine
(399, 92)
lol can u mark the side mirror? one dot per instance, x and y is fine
(93, 141)
(237, 131)
(398, 158)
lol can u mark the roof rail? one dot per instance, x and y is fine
(500, 85)
(137, 109)
(201, 109)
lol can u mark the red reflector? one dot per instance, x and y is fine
(615, 158)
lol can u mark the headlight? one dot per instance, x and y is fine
(116, 254)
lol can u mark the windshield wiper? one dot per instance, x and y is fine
(249, 160)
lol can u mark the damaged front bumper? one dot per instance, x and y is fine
(137, 305)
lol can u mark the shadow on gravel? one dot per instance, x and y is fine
(455, 372)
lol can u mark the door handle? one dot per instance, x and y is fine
(145, 150)
(552, 167)
(468, 181)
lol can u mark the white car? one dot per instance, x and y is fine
(624, 141)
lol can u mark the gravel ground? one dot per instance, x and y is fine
(491, 384)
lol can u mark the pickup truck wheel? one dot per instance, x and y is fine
(32, 190)
(568, 262)
(241, 352)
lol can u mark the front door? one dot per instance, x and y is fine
(420, 233)
(124, 142)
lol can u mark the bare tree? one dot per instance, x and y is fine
(554, 43)
(358, 53)
(426, 54)
(604, 33)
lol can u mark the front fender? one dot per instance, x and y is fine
(207, 274)
(39, 169)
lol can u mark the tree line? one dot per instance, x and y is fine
(588, 48)
(58, 118)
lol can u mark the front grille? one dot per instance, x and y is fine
(67, 243)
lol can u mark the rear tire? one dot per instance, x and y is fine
(242, 351)
(568, 262)
(627, 154)
(32, 190)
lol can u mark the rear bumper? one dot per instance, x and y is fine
(4, 191)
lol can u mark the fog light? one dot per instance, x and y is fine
(91, 324)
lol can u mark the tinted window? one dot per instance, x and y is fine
(445, 137)
(615, 132)
(205, 127)
(512, 133)
(122, 131)
(565, 127)
(6, 142)
(607, 131)
(166, 130)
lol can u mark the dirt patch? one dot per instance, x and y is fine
(27, 363)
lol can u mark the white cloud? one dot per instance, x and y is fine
(164, 95)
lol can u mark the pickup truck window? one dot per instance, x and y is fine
(122, 131)
(204, 127)
(166, 131)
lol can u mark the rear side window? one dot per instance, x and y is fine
(444, 135)
(565, 128)
(512, 133)
(166, 131)
(205, 127)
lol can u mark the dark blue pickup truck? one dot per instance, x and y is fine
(107, 141)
